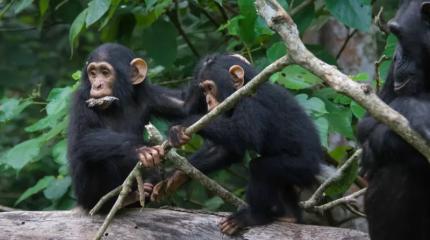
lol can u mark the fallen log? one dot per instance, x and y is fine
(151, 224)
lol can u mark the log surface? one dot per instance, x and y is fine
(152, 224)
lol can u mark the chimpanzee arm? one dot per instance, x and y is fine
(165, 102)
(212, 157)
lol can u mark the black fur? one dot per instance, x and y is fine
(102, 143)
(270, 123)
(398, 197)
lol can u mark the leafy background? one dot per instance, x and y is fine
(44, 45)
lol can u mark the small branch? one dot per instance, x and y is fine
(319, 193)
(378, 63)
(182, 164)
(125, 190)
(104, 199)
(349, 199)
(7, 209)
(174, 18)
(380, 22)
(345, 43)
(300, 7)
(281, 22)
(141, 188)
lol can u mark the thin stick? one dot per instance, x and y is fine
(352, 198)
(104, 199)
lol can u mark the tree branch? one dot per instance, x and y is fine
(279, 20)
(319, 193)
(352, 198)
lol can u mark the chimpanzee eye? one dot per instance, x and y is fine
(105, 72)
(93, 73)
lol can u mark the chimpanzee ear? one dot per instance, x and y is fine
(238, 74)
(139, 70)
(425, 9)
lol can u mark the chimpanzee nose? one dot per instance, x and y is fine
(394, 27)
(98, 86)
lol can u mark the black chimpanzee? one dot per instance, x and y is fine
(397, 202)
(270, 123)
(105, 138)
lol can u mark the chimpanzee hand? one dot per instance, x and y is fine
(177, 136)
(150, 156)
(168, 186)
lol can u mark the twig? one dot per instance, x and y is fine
(300, 7)
(354, 210)
(182, 164)
(378, 63)
(352, 198)
(141, 188)
(280, 21)
(319, 193)
(174, 18)
(380, 22)
(104, 199)
(7, 209)
(125, 190)
(345, 43)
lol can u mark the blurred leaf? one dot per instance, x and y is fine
(96, 9)
(353, 13)
(58, 98)
(213, 203)
(57, 188)
(247, 23)
(23, 153)
(295, 77)
(43, 7)
(46, 122)
(361, 77)
(112, 10)
(21, 5)
(276, 51)
(59, 152)
(39, 186)
(76, 27)
(313, 106)
(341, 186)
(357, 110)
(152, 12)
(339, 153)
(163, 52)
(322, 126)
(10, 108)
(340, 121)
(77, 75)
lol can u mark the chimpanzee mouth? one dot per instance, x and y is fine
(102, 102)
(399, 85)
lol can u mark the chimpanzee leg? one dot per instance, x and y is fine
(269, 197)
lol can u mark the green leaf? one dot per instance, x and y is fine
(361, 77)
(10, 108)
(57, 188)
(39, 186)
(96, 9)
(340, 121)
(47, 122)
(112, 10)
(23, 153)
(357, 110)
(163, 52)
(147, 16)
(276, 51)
(342, 185)
(59, 99)
(313, 106)
(322, 126)
(247, 23)
(21, 5)
(213, 203)
(295, 77)
(77, 75)
(353, 13)
(43, 7)
(59, 152)
(76, 27)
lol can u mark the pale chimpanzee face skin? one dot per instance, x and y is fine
(101, 76)
(210, 91)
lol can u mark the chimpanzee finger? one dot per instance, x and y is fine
(155, 156)
(160, 150)
(148, 187)
(148, 159)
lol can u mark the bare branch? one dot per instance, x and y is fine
(281, 22)
(318, 194)
(352, 198)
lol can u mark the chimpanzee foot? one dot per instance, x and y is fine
(241, 219)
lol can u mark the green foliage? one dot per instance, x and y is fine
(56, 36)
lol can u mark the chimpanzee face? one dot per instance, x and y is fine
(211, 89)
(101, 76)
(411, 26)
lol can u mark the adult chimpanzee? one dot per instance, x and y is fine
(398, 198)
(106, 138)
(270, 123)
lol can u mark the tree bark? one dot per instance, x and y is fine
(151, 224)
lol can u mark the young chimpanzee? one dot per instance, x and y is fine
(270, 123)
(105, 138)
(397, 202)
